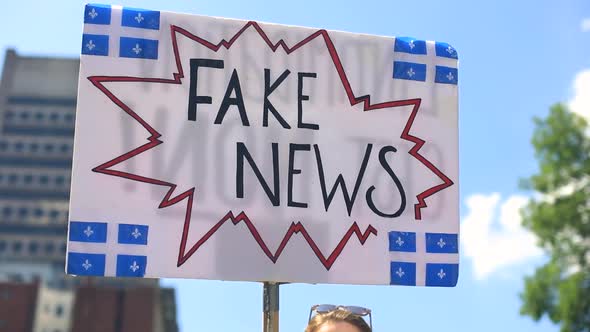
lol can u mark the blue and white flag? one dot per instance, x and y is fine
(96, 250)
(424, 61)
(430, 259)
(107, 29)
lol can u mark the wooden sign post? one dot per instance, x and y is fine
(270, 306)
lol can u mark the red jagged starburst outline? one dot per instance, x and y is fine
(298, 227)
(168, 200)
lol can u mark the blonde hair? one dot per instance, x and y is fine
(337, 315)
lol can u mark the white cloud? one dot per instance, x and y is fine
(580, 103)
(495, 241)
(585, 24)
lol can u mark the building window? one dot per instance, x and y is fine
(34, 147)
(49, 147)
(60, 180)
(9, 115)
(69, 117)
(15, 277)
(49, 247)
(63, 247)
(65, 148)
(53, 117)
(53, 214)
(24, 115)
(12, 178)
(7, 211)
(3, 145)
(28, 178)
(59, 310)
(23, 212)
(43, 179)
(18, 146)
(38, 212)
(39, 116)
(33, 247)
(17, 246)
(2, 246)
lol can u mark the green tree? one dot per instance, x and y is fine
(560, 217)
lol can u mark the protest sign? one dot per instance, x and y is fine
(212, 148)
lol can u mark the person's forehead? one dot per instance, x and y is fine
(338, 327)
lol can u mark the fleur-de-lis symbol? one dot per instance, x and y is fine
(93, 14)
(441, 243)
(134, 267)
(450, 50)
(450, 76)
(86, 265)
(88, 231)
(411, 44)
(139, 18)
(411, 72)
(400, 272)
(399, 241)
(136, 49)
(136, 233)
(90, 45)
(441, 274)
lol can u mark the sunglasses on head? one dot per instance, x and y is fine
(326, 308)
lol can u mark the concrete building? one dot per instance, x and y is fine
(37, 117)
(37, 112)
(17, 306)
(53, 309)
(118, 310)
(34, 307)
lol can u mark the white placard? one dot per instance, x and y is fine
(224, 149)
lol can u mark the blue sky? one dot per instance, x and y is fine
(516, 59)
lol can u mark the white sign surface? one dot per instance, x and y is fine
(223, 149)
